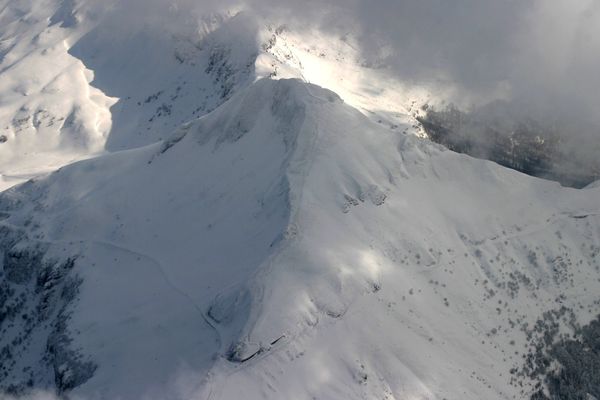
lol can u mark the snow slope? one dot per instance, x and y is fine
(286, 246)
(56, 110)
(79, 77)
(49, 113)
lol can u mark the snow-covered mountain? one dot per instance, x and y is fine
(75, 71)
(241, 236)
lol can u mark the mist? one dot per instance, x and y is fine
(537, 60)
(524, 51)
(539, 57)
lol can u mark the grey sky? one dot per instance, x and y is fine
(543, 54)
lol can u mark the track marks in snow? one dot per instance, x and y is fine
(161, 270)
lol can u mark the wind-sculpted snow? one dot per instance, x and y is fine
(285, 246)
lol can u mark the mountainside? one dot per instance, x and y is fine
(50, 114)
(80, 77)
(219, 206)
(284, 246)
(519, 142)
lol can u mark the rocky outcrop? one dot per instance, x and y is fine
(36, 293)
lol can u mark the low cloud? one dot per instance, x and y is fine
(540, 56)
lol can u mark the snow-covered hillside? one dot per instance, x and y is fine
(284, 246)
(244, 209)
(49, 113)
(76, 82)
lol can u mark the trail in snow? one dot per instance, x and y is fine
(173, 286)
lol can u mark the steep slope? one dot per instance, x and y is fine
(174, 226)
(75, 82)
(284, 246)
(78, 77)
(167, 72)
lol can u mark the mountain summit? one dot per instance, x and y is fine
(285, 246)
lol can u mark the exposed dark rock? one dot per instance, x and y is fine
(562, 366)
(578, 374)
(516, 142)
(242, 352)
(69, 370)
(20, 264)
(36, 293)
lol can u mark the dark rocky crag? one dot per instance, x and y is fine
(517, 142)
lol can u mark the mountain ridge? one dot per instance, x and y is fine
(269, 238)
(261, 242)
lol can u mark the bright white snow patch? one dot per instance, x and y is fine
(50, 113)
